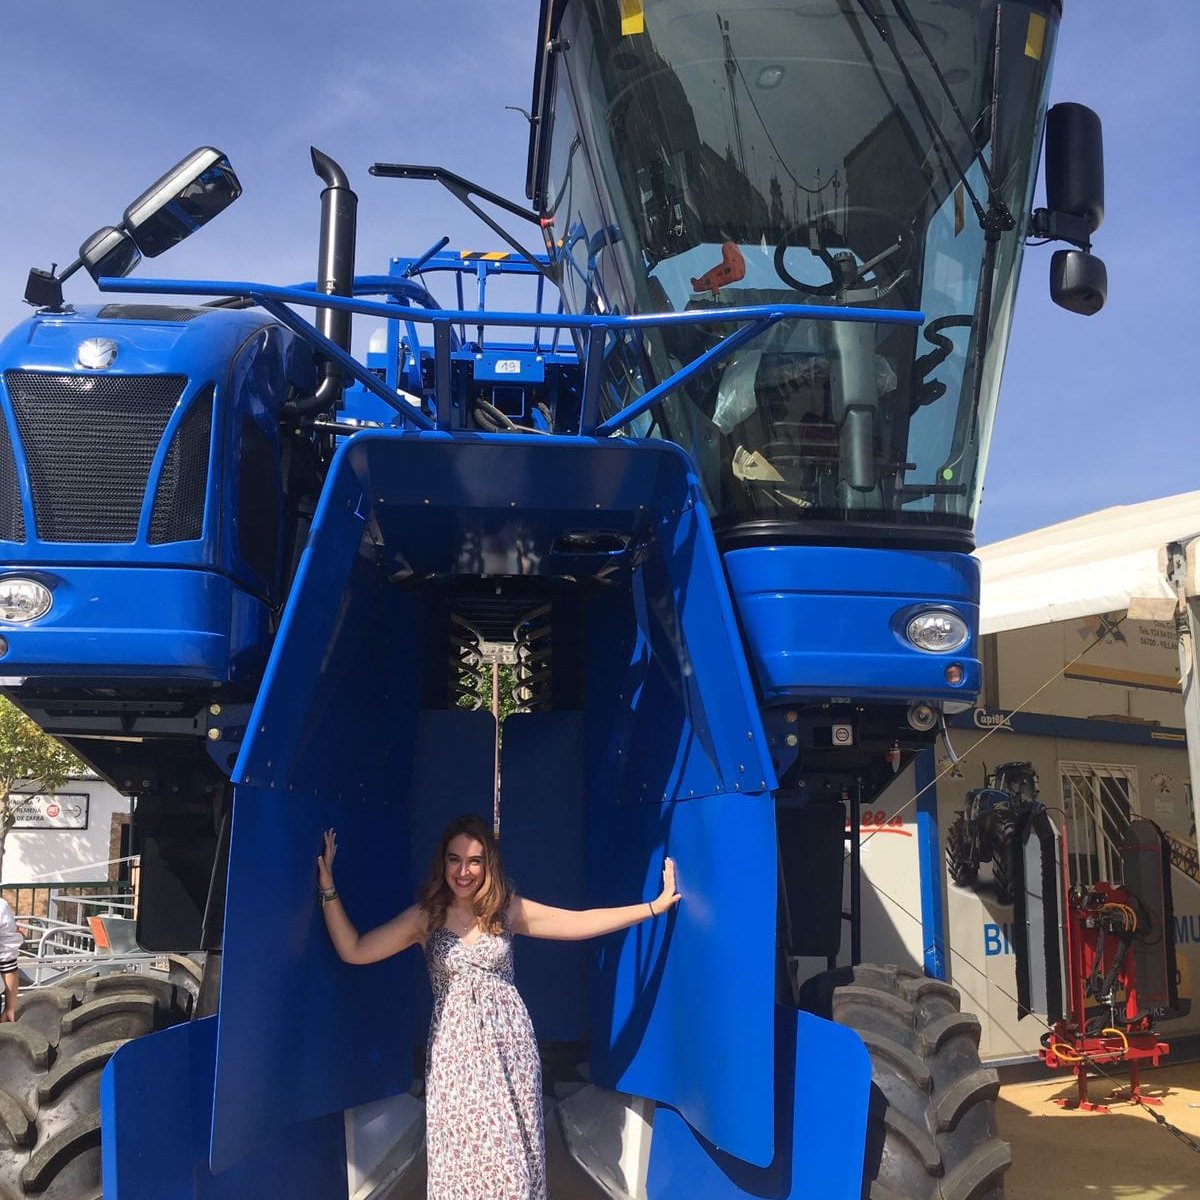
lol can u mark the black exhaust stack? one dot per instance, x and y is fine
(335, 277)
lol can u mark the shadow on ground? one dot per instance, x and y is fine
(1121, 1155)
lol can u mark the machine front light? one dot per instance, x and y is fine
(938, 630)
(23, 600)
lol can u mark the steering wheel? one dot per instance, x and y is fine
(846, 273)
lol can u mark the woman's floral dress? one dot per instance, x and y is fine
(483, 1075)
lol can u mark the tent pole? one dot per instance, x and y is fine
(1184, 572)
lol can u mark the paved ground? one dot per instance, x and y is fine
(1057, 1155)
(1122, 1155)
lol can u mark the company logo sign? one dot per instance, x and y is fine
(987, 718)
(96, 353)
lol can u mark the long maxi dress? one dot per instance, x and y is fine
(483, 1075)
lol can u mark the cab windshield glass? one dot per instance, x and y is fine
(845, 153)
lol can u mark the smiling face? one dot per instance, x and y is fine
(464, 866)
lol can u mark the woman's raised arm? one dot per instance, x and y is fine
(570, 925)
(406, 929)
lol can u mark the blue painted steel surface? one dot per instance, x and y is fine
(453, 772)
(723, 315)
(344, 675)
(754, 319)
(929, 856)
(823, 1084)
(248, 359)
(683, 1007)
(829, 620)
(156, 1098)
(541, 835)
(331, 744)
(140, 622)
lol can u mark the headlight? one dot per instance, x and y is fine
(23, 599)
(938, 631)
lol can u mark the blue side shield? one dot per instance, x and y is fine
(667, 756)
(155, 1141)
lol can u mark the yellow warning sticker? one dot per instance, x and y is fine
(1035, 37)
(633, 17)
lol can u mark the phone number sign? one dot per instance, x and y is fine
(66, 810)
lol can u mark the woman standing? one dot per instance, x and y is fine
(483, 1078)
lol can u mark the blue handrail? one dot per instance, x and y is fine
(753, 319)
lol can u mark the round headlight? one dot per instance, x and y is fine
(938, 631)
(23, 599)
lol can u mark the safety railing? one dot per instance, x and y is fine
(594, 332)
(1184, 855)
(70, 903)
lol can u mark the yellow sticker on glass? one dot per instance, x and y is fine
(1035, 37)
(633, 17)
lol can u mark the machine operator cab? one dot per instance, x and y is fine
(866, 154)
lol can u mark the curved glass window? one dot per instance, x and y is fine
(845, 153)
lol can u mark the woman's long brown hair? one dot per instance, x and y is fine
(491, 900)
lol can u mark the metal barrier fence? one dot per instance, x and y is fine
(70, 903)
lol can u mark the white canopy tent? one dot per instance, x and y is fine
(1140, 559)
(1114, 560)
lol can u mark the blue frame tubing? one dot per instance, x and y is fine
(752, 319)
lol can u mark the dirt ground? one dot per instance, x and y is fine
(1121, 1155)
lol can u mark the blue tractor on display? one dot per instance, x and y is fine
(711, 491)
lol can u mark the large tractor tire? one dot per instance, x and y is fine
(931, 1131)
(1004, 856)
(960, 861)
(51, 1059)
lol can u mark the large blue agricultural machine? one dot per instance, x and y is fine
(712, 490)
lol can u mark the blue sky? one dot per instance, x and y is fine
(98, 100)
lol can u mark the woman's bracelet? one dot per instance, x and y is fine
(326, 895)
(650, 906)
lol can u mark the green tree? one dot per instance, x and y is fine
(28, 755)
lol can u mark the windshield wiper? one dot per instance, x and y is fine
(996, 218)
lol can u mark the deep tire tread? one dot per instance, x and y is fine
(51, 1059)
(975, 1088)
(62, 1148)
(954, 1024)
(931, 1130)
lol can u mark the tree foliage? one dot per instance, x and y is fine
(27, 755)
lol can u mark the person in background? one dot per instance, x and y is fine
(10, 942)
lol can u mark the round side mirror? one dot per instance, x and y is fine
(1078, 282)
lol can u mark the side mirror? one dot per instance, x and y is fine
(188, 196)
(1075, 163)
(109, 251)
(1078, 282)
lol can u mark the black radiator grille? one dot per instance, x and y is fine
(89, 441)
(178, 514)
(12, 520)
(151, 312)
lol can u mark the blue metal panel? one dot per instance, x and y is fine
(929, 852)
(541, 832)
(201, 349)
(823, 1084)
(453, 773)
(826, 621)
(331, 743)
(155, 1108)
(301, 1033)
(140, 622)
(683, 1007)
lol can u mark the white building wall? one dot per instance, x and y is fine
(67, 855)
